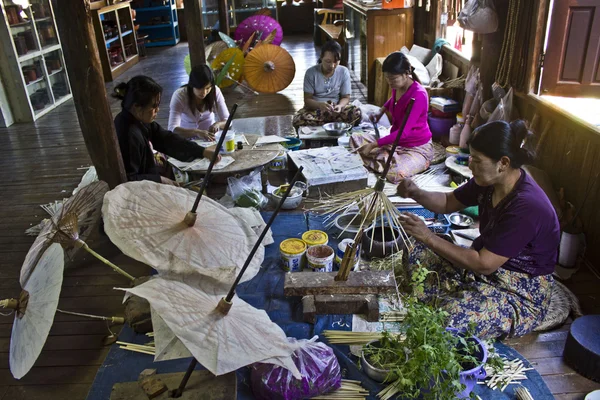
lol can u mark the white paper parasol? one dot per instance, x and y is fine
(70, 227)
(220, 342)
(35, 310)
(147, 221)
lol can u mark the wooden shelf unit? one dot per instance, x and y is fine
(32, 64)
(160, 23)
(116, 39)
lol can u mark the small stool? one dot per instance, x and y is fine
(141, 44)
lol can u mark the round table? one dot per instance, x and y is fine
(246, 159)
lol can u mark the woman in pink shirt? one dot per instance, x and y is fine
(415, 150)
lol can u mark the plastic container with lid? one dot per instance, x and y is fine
(460, 119)
(452, 151)
(229, 143)
(292, 254)
(320, 258)
(315, 238)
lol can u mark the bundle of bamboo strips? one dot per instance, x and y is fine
(523, 394)
(148, 348)
(350, 390)
(512, 372)
(392, 316)
(353, 338)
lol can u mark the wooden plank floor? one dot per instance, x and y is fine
(39, 163)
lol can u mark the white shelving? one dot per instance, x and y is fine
(32, 55)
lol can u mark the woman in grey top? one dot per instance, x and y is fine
(327, 89)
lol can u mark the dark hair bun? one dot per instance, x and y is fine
(120, 91)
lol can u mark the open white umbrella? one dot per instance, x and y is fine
(146, 220)
(220, 342)
(35, 309)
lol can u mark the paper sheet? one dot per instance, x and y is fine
(200, 164)
(464, 242)
(329, 165)
(269, 140)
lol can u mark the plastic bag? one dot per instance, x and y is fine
(319, 368)
(503, 111)
(247, 190)
(479, 16)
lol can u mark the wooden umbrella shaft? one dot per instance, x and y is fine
(262, 235)
(388, 163)
(179, 391)
(114, 320)
(214, 159)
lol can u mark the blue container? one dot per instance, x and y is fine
(441, 224)
(292, 144)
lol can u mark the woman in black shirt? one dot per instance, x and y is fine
(136, 129)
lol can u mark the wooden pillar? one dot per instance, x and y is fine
(195, 31)
(223, 17)
(74, 21)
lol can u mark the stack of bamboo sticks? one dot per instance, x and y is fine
(350, 390)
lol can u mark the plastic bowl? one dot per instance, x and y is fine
(337, 129)
(291, 202)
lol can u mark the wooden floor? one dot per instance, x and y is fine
(40, 163)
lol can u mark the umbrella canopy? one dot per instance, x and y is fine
(229, 62)
(261, 24)
(269, 68)
(35, 313)
(146, 221)
(222, 343)
(72, 223)
(211, 52)
(229, 41)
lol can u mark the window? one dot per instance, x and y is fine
(456, 36)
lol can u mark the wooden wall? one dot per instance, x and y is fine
(570, 155)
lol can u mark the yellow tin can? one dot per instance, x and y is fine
(315, 238)
(292, 254)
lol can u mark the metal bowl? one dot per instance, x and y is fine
(337, 129)
(460, 220)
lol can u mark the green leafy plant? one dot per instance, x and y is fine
(424, 362)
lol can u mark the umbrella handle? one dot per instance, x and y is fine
(223, 307)
(388, 163)
(210, 167)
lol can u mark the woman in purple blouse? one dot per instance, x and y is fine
(503, 282)
(415, 150)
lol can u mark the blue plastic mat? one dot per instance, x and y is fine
(265, 291)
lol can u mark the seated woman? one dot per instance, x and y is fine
(503, 282)
(198, 108)
(136, 129)
(327, 89)
(415, 150)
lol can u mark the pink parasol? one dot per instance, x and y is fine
(262, 25)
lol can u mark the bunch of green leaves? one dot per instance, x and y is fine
(427, 363)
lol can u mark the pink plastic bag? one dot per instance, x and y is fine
(316, 362)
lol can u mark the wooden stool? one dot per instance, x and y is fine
(141, 43)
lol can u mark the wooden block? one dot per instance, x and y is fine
(317, 283)
(153, 387)
(147, 373)
(202, 385)
(366, 305)
(309, 310)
